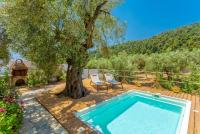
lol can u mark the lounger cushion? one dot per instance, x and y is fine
(99, 83)
(113, 81)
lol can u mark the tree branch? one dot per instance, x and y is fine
(89, 24)
(98, 11)
(104, 11)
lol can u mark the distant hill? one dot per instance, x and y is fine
(187, 37)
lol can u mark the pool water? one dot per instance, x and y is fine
(134, 113)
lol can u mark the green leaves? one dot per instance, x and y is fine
(5, 88)
(50, 32)
(11, 119)
(37, 78)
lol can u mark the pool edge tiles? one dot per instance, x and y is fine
(181, 127)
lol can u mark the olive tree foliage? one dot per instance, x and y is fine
(52, 32)
(110, 34)
(4, 52)
(177, 68)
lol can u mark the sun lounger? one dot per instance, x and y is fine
(111, 80)
(97, 82)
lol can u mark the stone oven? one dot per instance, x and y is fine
(19, 73)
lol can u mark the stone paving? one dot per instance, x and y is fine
(37, 120)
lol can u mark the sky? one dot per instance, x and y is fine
(146, 18)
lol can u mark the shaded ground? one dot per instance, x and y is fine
(37, 120)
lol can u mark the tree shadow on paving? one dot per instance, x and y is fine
(38, 120)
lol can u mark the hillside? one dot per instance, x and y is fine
(187, 37)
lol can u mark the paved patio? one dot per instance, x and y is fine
(37, 120)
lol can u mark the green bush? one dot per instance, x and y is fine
(37, 77)
(11, 116)
(192, 82)
(165, 83)
(60, 74)
(188, 87)
(5, 88)
(11, 113)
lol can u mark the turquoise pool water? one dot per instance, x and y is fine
(134, 113)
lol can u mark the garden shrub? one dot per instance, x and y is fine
(192, 82)
(165, 84)
(37, 77)
(11, 115)
(62, 75)
(59, 74)
(188, 87)
(5, 88)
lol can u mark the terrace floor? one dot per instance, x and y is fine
(37, 120)
(62, 108)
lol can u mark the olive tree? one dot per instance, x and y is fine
(52, 32)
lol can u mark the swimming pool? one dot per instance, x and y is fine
(137, 112)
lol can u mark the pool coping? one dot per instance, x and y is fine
(186, 113)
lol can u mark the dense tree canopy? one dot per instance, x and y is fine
(51, 32)
(187, 37)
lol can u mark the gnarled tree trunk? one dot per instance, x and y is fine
(74, 85)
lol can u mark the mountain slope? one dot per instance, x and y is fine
(187, 37)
